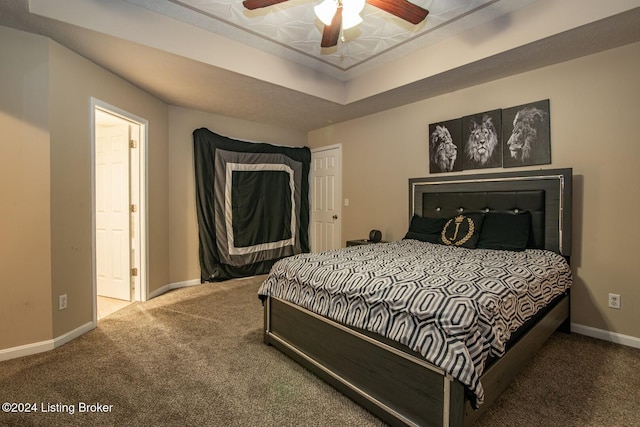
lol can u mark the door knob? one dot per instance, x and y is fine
(335, 217)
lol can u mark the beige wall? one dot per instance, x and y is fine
(594, 112)
(183, 227)
(74, 80)
(45, 249)
(25, 242)
(45, 244)
(46, 167)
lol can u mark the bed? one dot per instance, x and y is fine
(397, 356)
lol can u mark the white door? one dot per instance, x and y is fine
(113, 236)
(326, 185)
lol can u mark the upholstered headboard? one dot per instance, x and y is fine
(545, 193)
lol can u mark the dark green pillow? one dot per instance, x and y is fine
(426, 225)
(505, 231)
(424, 237)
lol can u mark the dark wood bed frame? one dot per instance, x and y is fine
(390, 380)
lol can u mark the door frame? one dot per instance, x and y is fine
(141, 290)
(339, 192)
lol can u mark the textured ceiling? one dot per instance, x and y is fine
(291, 30)
(267, 66)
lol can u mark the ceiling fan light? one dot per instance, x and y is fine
(350, 20)
(325, 11)
(353, 6)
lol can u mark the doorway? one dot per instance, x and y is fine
(119, 222)
(326, 195)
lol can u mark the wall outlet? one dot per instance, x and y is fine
(614, 301)
(62, 302)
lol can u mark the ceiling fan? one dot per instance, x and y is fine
(332, 12)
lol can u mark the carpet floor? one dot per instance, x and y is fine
(194, 356)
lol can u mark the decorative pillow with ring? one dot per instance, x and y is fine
(462, 230)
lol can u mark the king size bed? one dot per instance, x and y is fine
(430, 329)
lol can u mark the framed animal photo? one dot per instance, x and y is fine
(481, 136)
(445, 144)
(526, 135)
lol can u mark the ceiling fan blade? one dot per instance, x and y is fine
(402, 9)
(331, 32)
(257, 4)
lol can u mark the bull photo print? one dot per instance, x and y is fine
(445, 143)
(526, 135)
(482, 140)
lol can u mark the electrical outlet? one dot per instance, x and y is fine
(62, 302)
(614, 301)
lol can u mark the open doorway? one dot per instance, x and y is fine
(119, 206)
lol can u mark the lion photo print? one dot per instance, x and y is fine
(481, 136)
(511, 137)
(526, 135)
(445, 143)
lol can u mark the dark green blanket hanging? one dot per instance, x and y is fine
(252, 204)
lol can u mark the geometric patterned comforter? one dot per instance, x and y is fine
(454, 306)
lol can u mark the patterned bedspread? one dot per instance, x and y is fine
(455, 306)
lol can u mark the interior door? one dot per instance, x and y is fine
(326, 185)
(113, 267)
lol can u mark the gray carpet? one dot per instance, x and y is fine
(195, 356)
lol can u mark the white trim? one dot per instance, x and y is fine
(185, 284)
(142, 291)
(71, 335)
(339, 210)
(602, 334)
(26, 350)
(42, 346)
(326, 148)
(171, 286)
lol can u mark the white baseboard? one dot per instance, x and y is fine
(26, 350)
(71, 335)
(614, 337)
(42, 346)
(176, 285)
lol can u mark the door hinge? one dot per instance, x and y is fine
(133, 143)
(134, 272)
(133, 208)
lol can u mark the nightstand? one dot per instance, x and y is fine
(363, 242)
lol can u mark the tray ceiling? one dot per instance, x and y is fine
(291, 30)
(267, 66)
